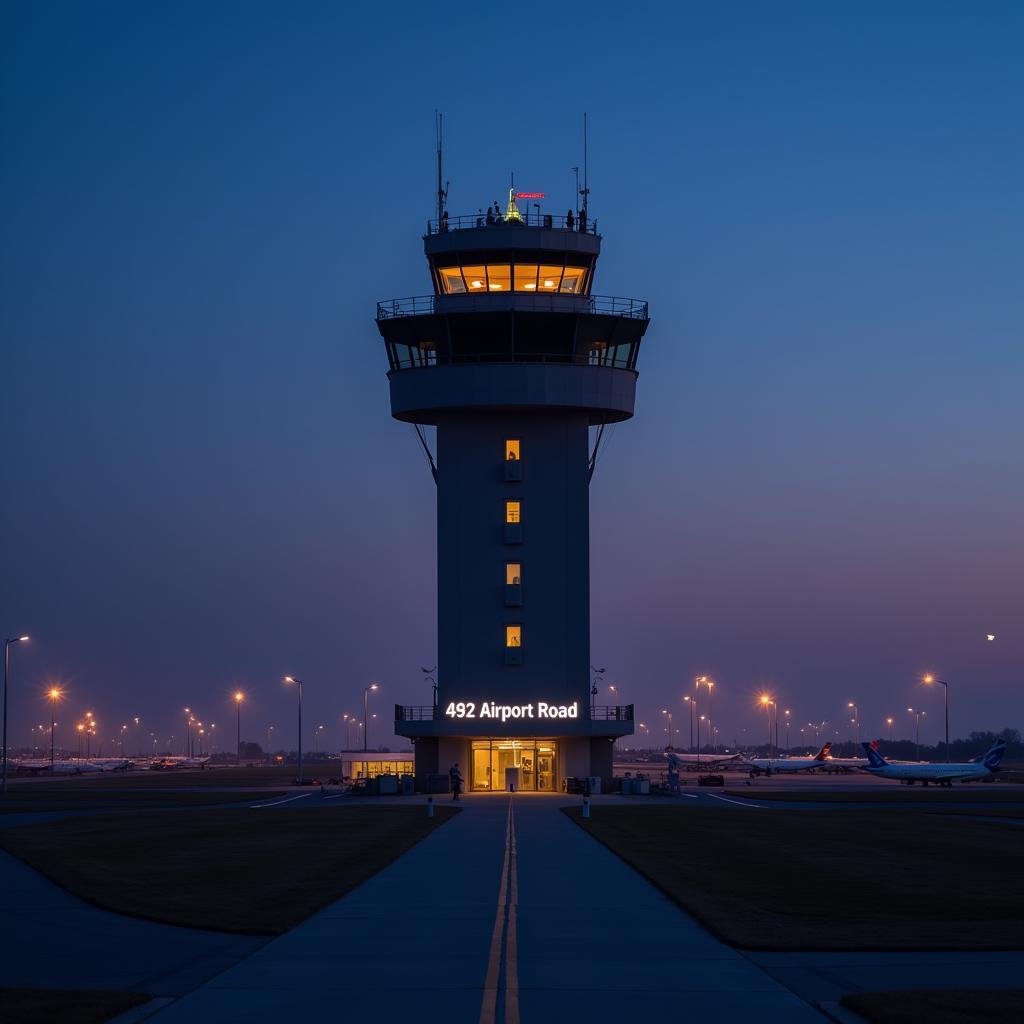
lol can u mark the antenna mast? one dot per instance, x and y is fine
(442, 185)
(585, 191)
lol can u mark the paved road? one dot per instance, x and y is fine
(54, 940)
(508, 913)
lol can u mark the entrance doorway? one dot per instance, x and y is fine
(529, 763)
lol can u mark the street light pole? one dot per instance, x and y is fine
(54, 693)
(298, 682)
(856, 718)
(239, 697)
(945, 690)
(366, 717)
(7, 658)
(917, 732)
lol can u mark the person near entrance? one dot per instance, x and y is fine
(455, 779)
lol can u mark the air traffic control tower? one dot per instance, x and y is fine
(513, 359)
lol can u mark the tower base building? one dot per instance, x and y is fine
(513, 360)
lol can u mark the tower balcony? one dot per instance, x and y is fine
(610, 721)
(430, 305)
(512, 350)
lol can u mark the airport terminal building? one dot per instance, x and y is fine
(513, 359)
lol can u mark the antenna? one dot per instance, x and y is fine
(585, 192)
(442, 185)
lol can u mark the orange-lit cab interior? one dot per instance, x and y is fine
(503, 277)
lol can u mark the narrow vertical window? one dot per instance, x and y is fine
(512, 450)
(513, 574)
(512, 512)
(514, 636)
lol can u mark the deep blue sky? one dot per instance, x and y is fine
(821, 493)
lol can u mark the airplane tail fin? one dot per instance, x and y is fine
(875, 759)
(823, 753)
(995, 755)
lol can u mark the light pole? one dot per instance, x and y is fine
(270, 738)
(239, 697)
(366, 718)
(298, 683)
(80, 729)
(856, 718)
(917, 732)
(188, 732)
(766, 702)
(7, 659)
(888, 722)
(54, 693)
(709, 683)
(595, 687)
(429, 673)
(786, 713)
(665, 711)
(945, 689)
(691, 704)
(316, 738)
(124, 729)
(137, 738)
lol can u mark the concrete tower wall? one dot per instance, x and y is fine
(554, 552)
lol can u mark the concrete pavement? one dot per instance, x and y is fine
(496, 918)
(55, 940)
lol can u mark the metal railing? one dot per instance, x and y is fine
(618, 357)
(550, 221)
(600, 713)
(424, 305)
(612, 713)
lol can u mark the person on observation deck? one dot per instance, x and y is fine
(570, 222)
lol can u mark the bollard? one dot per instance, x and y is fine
(430, 806)
(586, 807)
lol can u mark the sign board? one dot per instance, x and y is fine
(505, 712)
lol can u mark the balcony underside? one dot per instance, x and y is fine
(420, 395)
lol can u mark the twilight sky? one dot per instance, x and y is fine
(822, 492)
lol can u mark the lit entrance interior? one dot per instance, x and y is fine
(532, 760)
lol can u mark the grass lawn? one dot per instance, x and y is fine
(953, 1006)
(235, 870)
(823, 879)
(36, 1005)
(22, 803)
(263, 775)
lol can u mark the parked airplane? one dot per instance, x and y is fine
(676, 761)
(166, 763)
(42, 766)
(768, 765)
(943, 774)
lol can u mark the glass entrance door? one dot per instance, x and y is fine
(533, 762)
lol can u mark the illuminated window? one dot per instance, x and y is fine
(451, 280)
(512, 450)
(572, 280)
(550, 278)
(526, 277)
(513, 574)
(512, 512)
(476, 279)
(514, 636)
(499, 277)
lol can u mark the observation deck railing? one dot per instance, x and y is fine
(550, 221)
(599, 713)
(425, 305)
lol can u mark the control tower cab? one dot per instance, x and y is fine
(513, 358)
